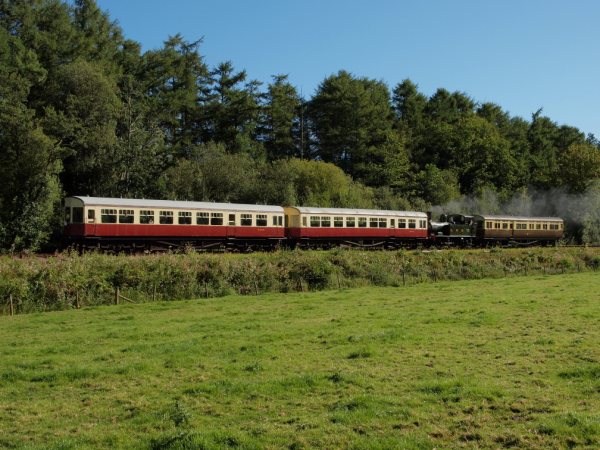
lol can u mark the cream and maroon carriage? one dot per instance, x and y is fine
(324, 227)
(142, 223)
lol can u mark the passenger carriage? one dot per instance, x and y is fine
(322, 227)
(112, 222)
(520, 229)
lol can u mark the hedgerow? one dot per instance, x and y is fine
(70, 280)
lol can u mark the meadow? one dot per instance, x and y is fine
(492, 363)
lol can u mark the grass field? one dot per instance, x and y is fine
(501, 363)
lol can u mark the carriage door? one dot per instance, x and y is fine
(231, 225)
(91, 222)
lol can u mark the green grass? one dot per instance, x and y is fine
(501, 363)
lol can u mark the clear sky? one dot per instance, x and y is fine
(521, 54)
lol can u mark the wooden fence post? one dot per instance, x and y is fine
(117, 295)
(12, 306)
(77, 305)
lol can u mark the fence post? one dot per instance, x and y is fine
(77, 305)
(154, 293)
(117, 295)
(12, 306)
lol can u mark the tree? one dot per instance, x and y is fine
(98, 39)
(542, 136)
(437, 186)
(476, 152)
(312, 183)
(142, 155)
(212, 174)
(351, 121)
(173, 78)
(449, 107)
(230, 113)
(409, 105)
(83, 117)
(579, 167)
(281, 122)
(29, 159)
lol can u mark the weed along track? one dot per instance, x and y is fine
(72, 281)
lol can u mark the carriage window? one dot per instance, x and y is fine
(184, 218)
(274, 221)
(412, 223)
(538, 226)
(497, 225)
(165, 217)
(108, 215)
(277, 221)
(68, 214)
(146, 216)
(401, 223)
(216, 218)
(232, 220)
(373, 222)
(350, 222)
(126, 216)
(304, 221)
(202, 218)
(392, 223)
(505, 225)
(362, 222)
(488, 225)
(545, 226)
(326, 222)
(246, 220)
(382, 223)
(531, 226)
(422, 224)
(315, 221)
(261, 220)
(77, 214)
(338, 222)
(91, 215)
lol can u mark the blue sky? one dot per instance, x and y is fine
(523, 55)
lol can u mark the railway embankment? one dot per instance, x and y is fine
(68, 281)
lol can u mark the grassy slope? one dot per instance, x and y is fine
(490, 363)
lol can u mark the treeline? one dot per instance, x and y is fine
(83, 111)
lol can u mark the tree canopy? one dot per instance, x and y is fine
(83, 111)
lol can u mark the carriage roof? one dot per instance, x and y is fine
(359, 212)
(175, 204)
